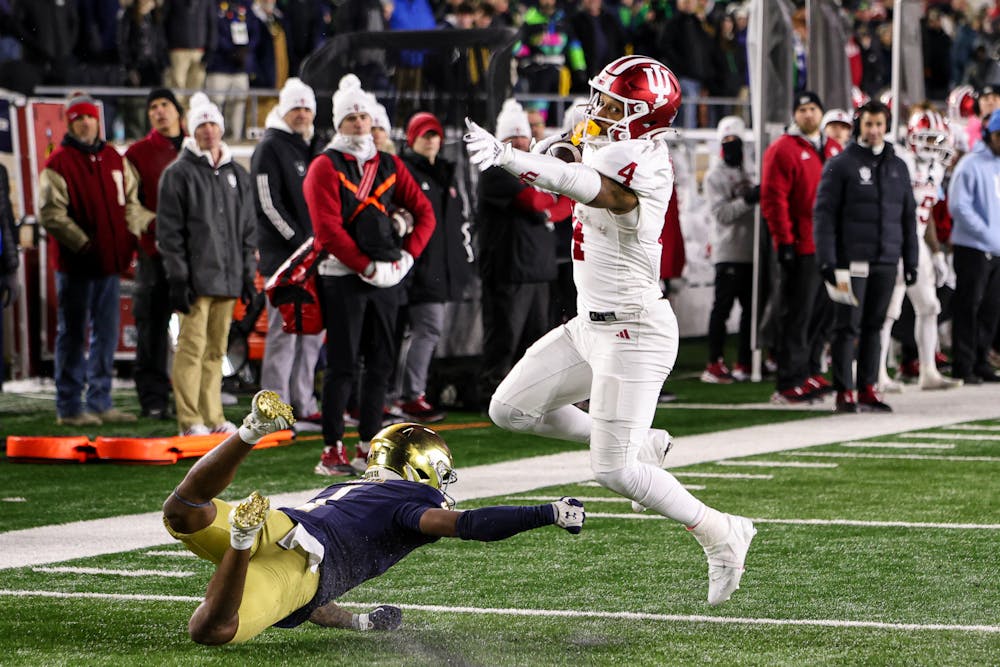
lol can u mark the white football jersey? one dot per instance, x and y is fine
(616, 258)
(927, 178)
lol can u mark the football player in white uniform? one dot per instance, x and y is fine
(621, 347)
(930, 152)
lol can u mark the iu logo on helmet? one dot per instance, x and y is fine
(659, 84)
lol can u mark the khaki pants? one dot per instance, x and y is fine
(197, 372)
(186, 70)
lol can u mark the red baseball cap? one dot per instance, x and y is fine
(420, 124)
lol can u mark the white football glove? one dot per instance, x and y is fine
(569, 514)
(940, 268)
(389, 274)
(485, 150)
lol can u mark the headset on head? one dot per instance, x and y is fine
(871, 107)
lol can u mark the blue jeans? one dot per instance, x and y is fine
(83, 302)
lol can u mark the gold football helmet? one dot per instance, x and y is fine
(413, 452)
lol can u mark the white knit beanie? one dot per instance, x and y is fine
(295, 95)
(350, 98)
(203, 111)
(379, 116)
(730, 126)
(512, 121)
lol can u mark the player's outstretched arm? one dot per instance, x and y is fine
(577, 181)
(489, 524)
(382, 618)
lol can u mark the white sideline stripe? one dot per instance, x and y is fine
(592, 499)
(917, 457)
(692, 487)
(722, 475)
(826, 522)
(568, 613)
(944, 435)
(896, 445)
(118, 573)
(170, 554)
(776, 464)
(973, 427)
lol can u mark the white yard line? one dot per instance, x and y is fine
(571, 613)
(974, 427)
(164, 553)
(118, 573)
(722, 475)
(776, 464)
(914, 457)
(895, 445)
(825, 522)
(944, 435)
(911, 411)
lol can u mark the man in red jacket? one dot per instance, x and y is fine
(151, 303)
(349, 190)
(91, 211)
(791, 172)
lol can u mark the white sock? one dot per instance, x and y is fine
(885, 339)
(666, 496)
(712, 529)
(925, 331)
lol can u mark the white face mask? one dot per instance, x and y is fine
(361, 146)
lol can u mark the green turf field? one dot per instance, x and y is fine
(883, 552)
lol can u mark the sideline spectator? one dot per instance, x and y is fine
(731, 196)
(142, 48)
(517, 256)
(547, 49)
(191, 35)
(228, 65)
(686, 49)
(151, 302)
(601, 35)
(278, 167)
(9, 260)
(90, 208)
(349, 191)
(205, 232)
(864, 223)
(442, 272)
(975, 239)
(48, 30)
(791, 172)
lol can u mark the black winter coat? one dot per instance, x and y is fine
(865, 211)
(446, 266)
(8, 237)
(278, 167)
(514, 246)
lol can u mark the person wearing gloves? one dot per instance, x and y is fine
(731, 196)
(975, 239)
(864, 222)
(278, 168)
(351, 191)
(206, 233)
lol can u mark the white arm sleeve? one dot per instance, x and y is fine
(577, 181)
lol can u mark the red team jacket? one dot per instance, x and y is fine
(322, 193)
(150, 156)
(790, 176)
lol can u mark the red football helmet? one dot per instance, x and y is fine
(961, 103)
(928, 136)
(647, 89)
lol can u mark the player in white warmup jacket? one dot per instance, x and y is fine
(622, 345)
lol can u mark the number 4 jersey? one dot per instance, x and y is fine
(616, 257)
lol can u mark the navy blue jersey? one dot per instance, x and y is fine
(365, 528)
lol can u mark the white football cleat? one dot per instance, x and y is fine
(268, 414)
(246, 520)
(654, 452)
(726, 557)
